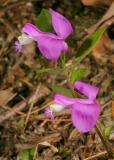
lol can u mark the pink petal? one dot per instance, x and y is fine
(88, 90)
(84, 116)
(51, 46)
(49, 113)
(63, 100)
(61, 25)
(68, 102)
(18, 47)
(31, 30)
(35, 33)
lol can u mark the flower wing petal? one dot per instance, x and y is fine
(51, 46)
(68, 102)
(31, 30)
(88, 90)
(61, 25)
(63, 100)
(84, 116)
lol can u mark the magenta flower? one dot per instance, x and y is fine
(50, 45)
(84, 112)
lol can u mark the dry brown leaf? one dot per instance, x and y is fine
(104, 49)
(4, 158)
(53, 148)
(107, 19)
(5, 96)
(33, 141)
(96, 2)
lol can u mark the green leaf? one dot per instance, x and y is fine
(62, 90)
(32, 152)
(20, 123)
(24, 154)
(62, 59)
(89, 44)
(64, 153)
(112, 93)
(43, 21)
(108, 130)
(77, 74)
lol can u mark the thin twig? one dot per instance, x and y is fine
(97, 155)
(20, 106)
(13, 110)
(40, 109)
(32, 104)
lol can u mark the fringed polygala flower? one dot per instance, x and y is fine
(50, 45)
(84, 112)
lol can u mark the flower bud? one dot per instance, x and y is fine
(56, 107)
(25, 39)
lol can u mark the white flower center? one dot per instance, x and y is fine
(25, 39)
(56, 107)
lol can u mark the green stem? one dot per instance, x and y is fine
(50, 70)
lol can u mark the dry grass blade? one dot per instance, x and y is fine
(97, 155)
(20, 106)
(32, 101)
(45, 143)
(33, 141)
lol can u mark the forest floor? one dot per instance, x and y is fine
(25, 132)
